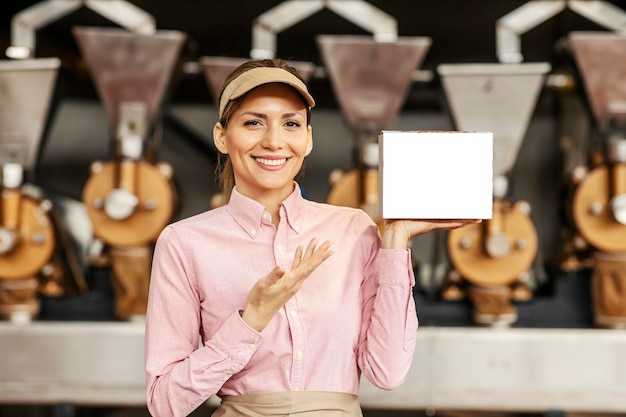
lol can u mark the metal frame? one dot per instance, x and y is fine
(286, 14)
(463, 368)
(510, 27)
(25, 24)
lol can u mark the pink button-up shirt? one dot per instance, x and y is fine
(354, 315)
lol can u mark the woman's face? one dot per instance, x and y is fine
(267, 139)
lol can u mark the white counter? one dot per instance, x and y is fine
(578, 370)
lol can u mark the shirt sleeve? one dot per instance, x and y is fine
(389, 326)
(180, 373)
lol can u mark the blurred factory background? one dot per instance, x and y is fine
(106, 116)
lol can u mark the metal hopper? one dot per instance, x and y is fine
(371, 79)
(26, 88)
(500, 98)
(130, 68)
(217, 68)
(601, 59)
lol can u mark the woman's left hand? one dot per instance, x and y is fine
(397, 233)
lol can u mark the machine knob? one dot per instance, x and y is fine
(120, 204)
(618, 208)
(498, 245)
(8, 239)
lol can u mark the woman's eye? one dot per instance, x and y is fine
(292, 123)
(252, 122)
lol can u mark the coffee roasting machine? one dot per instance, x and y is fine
(497, 257)
(37, 257)
(597, 194)
(130, 198)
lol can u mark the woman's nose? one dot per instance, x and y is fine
(272, 138)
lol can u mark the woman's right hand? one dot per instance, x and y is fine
(272, 291)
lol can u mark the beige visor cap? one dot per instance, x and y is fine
(259, 76)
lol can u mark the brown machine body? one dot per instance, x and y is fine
(590, 207)
(494, 258)
(516, 234)
(359, 189)
(151, 184)
(28, 243)
(594, 221)
(34, 236)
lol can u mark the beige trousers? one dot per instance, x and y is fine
(290, 403)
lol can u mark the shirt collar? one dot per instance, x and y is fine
(248, 213)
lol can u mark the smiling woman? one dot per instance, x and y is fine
(246, 77)
(249, 277)
(266, 141)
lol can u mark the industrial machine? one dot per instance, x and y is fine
(597, 194)
(492, 262)
(370, 80)
(36, 255)
(131, 197)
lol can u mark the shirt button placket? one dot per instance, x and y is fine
(294, 317)
(297, 333)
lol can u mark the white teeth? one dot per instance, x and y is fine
(271, 162)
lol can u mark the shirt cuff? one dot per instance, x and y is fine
(394, 266)
(236, 337)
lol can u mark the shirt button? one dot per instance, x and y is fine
(266, 216)
(296, 228)
(299, 354)
(293, 313)
(253, 232)
(251, 346)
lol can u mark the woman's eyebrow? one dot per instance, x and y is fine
(292, 114)
(255, 114)
(264, 116)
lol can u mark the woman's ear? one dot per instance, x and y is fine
(219, 138)
(309, 145)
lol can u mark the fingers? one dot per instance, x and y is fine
(453, 224)
(312, 258)
(270, 279)
(397, 232)
(277, 273)
(318, 256)
(310, 249)
(272, 291)
(297, 258)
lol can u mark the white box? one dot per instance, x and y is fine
(435, 174)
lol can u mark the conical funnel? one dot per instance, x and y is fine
(601, 59)
(499, 98)
(371, 79)
(26, 89)
(129, 67)
(217, 68)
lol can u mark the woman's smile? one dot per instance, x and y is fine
(271, 162)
